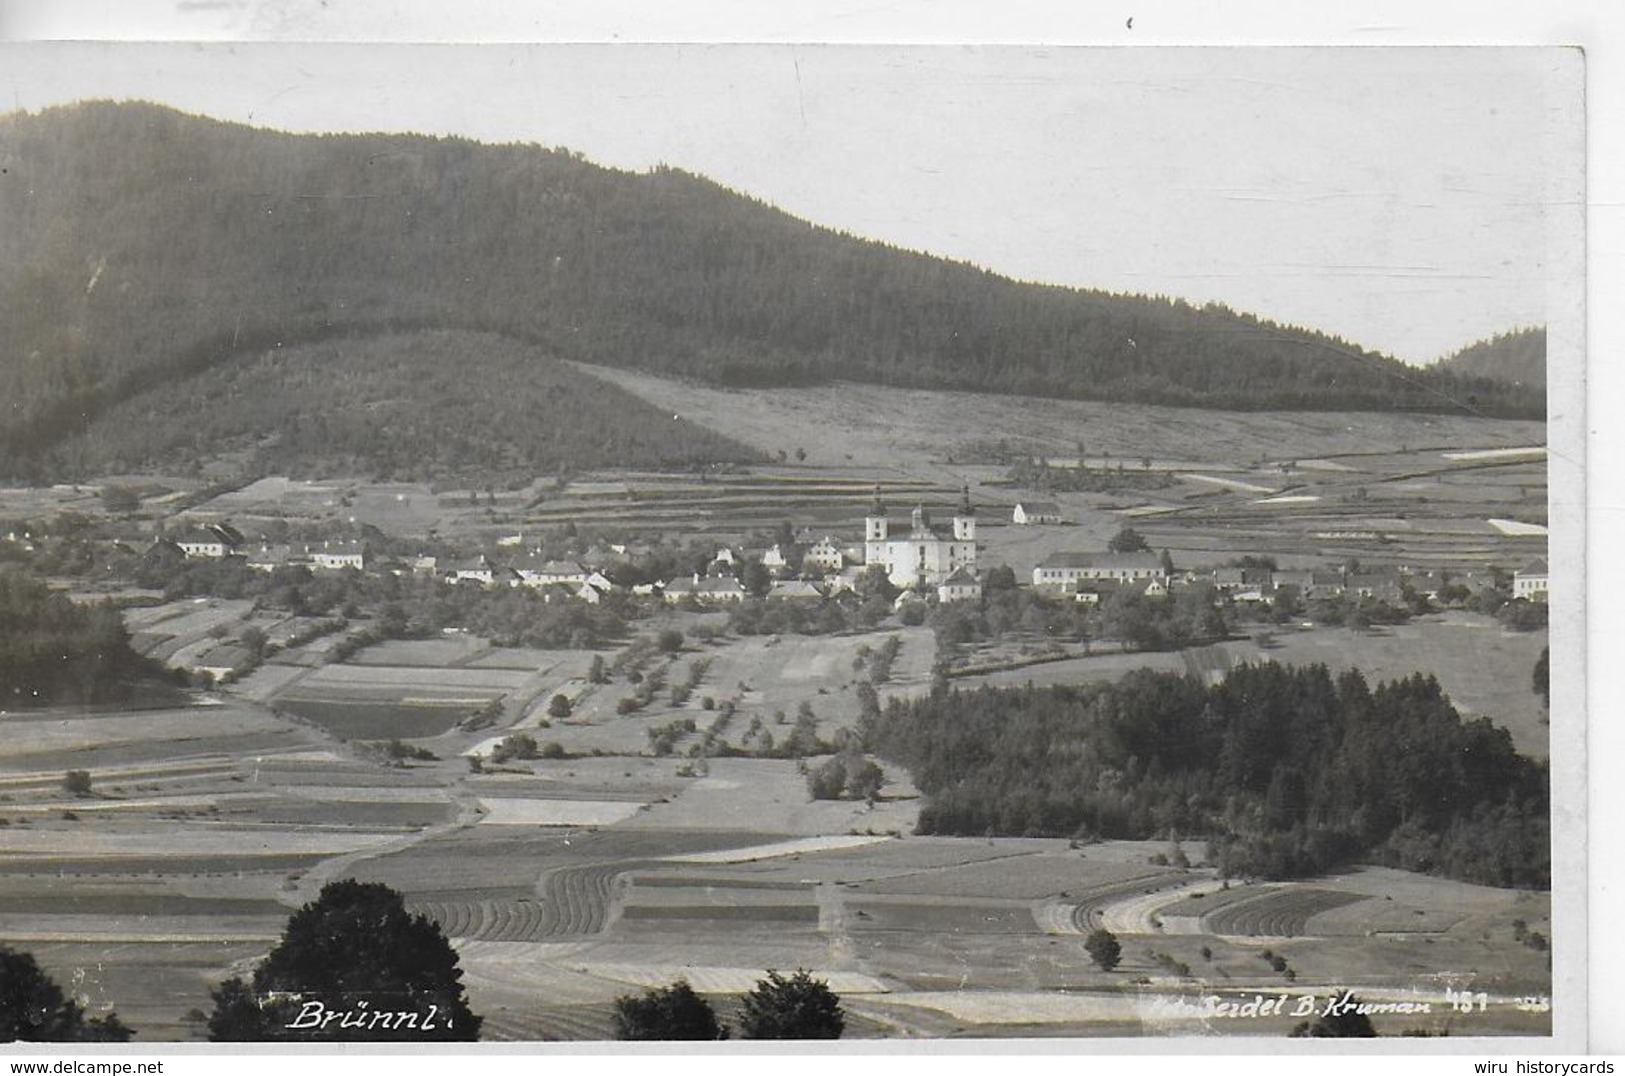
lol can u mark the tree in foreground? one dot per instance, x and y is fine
(798, 1007)
(1103, 948)
(34, 1009)
(669, 1014)
(352, 966)
(1341, 1020)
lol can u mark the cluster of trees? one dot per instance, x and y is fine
(847, 775)
(1286, 771)
(33, 1007)
(1518, 357)
(54, 651)
(796, 1006)
(203, 242)
(1189, 616)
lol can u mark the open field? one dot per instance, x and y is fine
(1484, 668)
(568, 881)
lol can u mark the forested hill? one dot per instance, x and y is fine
(140, 243)
(1517, 357)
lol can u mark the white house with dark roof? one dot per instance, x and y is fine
(1532, 582)
(708, 590)
(1064, 571)
(474, 570)
(962, 586)
(206, 542)
(1028, 513)
(336, 556)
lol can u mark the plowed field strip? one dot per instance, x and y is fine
(1283, 913)
(1087, 910)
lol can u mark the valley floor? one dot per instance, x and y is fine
(567, 882)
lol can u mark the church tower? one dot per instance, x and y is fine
(874, 524)
(965, 518)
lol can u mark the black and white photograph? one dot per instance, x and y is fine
(559, 543)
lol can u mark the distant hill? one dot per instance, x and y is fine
(1516, 358)
(414, 406)
(141, 245)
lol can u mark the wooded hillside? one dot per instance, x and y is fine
(141, 245)
(416, 406)
(1517, 357)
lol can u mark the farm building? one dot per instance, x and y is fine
(708, 590)
(927, 554)
(336, 556)
(1531, 582)
(1028, 513)
(209, 542)
(1061, 571)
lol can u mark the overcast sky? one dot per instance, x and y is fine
(1392, 196)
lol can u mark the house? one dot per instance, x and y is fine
(1532, 582)
(720, 589)
(1379, 585)
(1028, 513)
(1063, 571)
(1234, 579)
(533, 572)
(825, 554)
(211, 542)
(926, 555)
(796, 590)
(268, 558)
(906, 599)
(474, 570)
(709, 590)
(774, 559)
(1310, 584)
(960, 587)
(336, 556)
(1427, 583)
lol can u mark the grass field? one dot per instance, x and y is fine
(1486, 670)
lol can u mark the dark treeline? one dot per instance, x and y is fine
(53, 651)
(409, 407)
(1286, 771)
(1517, 357)
(142, 243)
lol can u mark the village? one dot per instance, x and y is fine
(908, 562)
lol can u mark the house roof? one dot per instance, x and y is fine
(795, 588)
(1534, 567)
(962, 577)
(1101, 560)
(1039, 508)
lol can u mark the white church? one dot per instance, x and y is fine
(926, 555)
